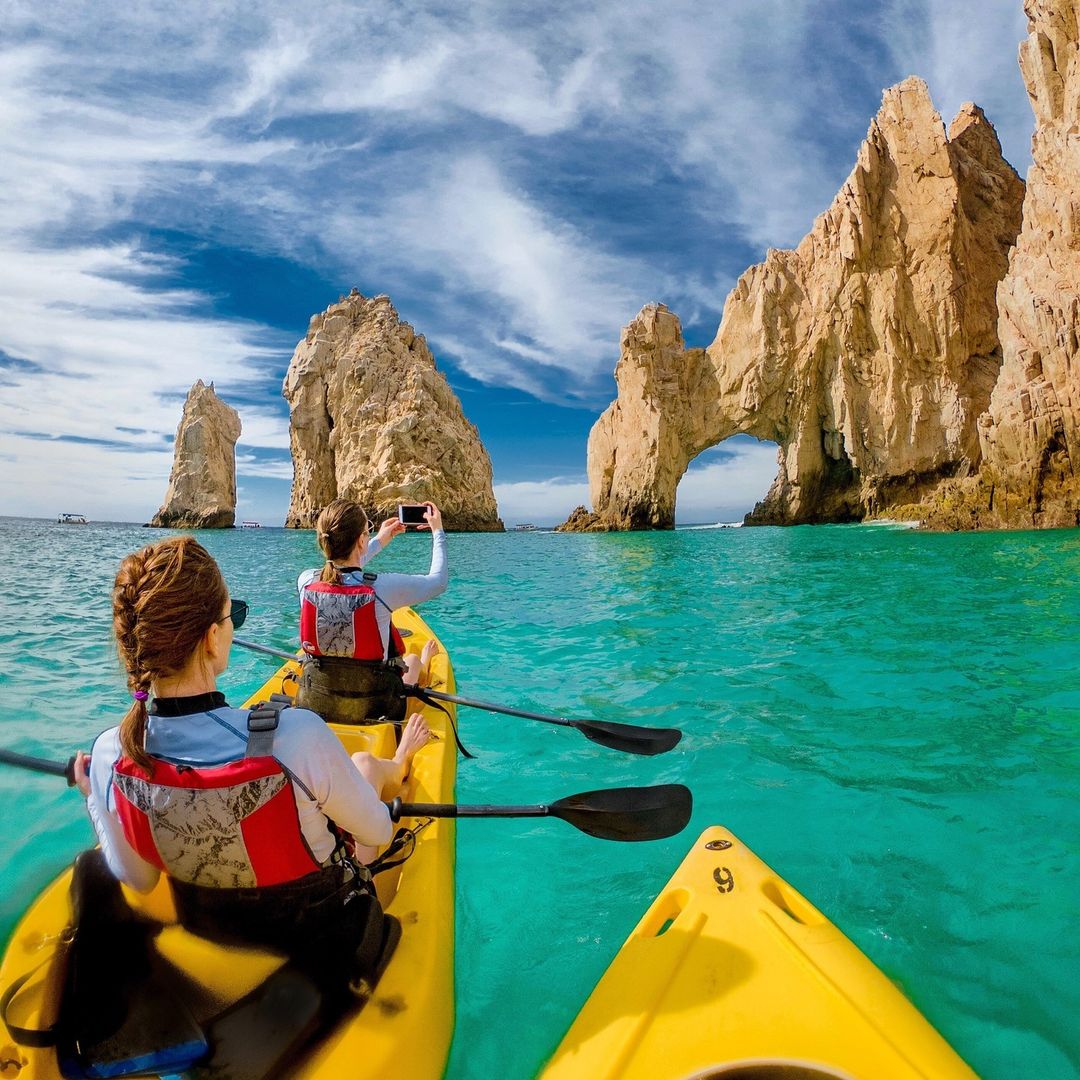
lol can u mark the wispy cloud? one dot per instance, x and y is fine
(725, 486)
(521, 183)
(542, 502)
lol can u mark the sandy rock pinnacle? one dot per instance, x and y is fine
(1030, 434)
(371, 419)
(202, 485)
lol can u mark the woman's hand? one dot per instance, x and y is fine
(390, 528)
(433, 517)
(78, 771)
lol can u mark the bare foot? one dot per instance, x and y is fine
(416, 735)
(430, 649)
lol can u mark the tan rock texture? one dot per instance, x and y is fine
(371, 419)
(867, 353)
(202, 485)
(1030, 436)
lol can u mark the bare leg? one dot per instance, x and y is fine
(386, 775)
(413, 669)
(417, 667)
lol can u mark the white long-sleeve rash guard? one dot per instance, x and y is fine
(396, 590)
(326, 784)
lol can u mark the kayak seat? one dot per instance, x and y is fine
(261, 1036)
(121, 1012)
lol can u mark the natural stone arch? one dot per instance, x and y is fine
(666, 415)
(724, 480)
(867, 353)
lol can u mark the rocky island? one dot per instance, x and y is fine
(867, 353)
(915, 356)
(202, 485)
(372, 419)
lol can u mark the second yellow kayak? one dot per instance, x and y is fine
(732, 972)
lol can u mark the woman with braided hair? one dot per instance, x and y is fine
(242, 809)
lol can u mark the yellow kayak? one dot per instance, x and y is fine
(406, 1027)
(731, 972)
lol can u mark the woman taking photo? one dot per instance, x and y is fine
(357, 661)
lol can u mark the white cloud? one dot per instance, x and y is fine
(248, 464)
(42, 478)
(563, 298)
(542, 502)
(727, 489)
(115, 352)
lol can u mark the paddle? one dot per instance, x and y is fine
(632, 813)
(628, 738)
(25, 761)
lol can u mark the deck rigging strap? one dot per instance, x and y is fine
(419, 693)
(404, 841)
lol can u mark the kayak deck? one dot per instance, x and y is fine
(732, 969)
(406, 1027)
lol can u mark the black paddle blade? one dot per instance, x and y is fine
(629, 738)
(634, 813)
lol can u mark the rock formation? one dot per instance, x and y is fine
(867, 353)
(202, 485)
(1030, 436)
(373, 420)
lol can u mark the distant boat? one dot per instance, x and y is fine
(250, 525)
(526, 527)
(72, 519)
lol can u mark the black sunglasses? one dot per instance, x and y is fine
(238, 610)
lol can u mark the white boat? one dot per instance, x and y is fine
(72, 519)
(526, 527)
(250, 525)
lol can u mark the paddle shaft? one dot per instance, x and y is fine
(454, 811)
(626, 738)
(611, 814)
(36, 764)
(281, 655)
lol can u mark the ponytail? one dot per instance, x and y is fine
(331, 574)
(340, 526)
(133, 735)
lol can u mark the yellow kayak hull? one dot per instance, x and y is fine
(732, 972)
(406, 1027)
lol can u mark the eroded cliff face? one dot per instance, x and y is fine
(373, 420)
(1030, 476)
(867, 353)
(202, 485)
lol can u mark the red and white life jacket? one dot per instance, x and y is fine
(231, 826)
(339, 620)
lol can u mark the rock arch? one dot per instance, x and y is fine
(867, 353)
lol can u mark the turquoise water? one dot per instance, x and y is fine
(887, 718)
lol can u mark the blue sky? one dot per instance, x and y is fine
(186, 184)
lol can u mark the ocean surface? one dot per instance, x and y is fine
(887, 718)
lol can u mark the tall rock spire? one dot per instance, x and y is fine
(202, 485)
(1030, 435)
